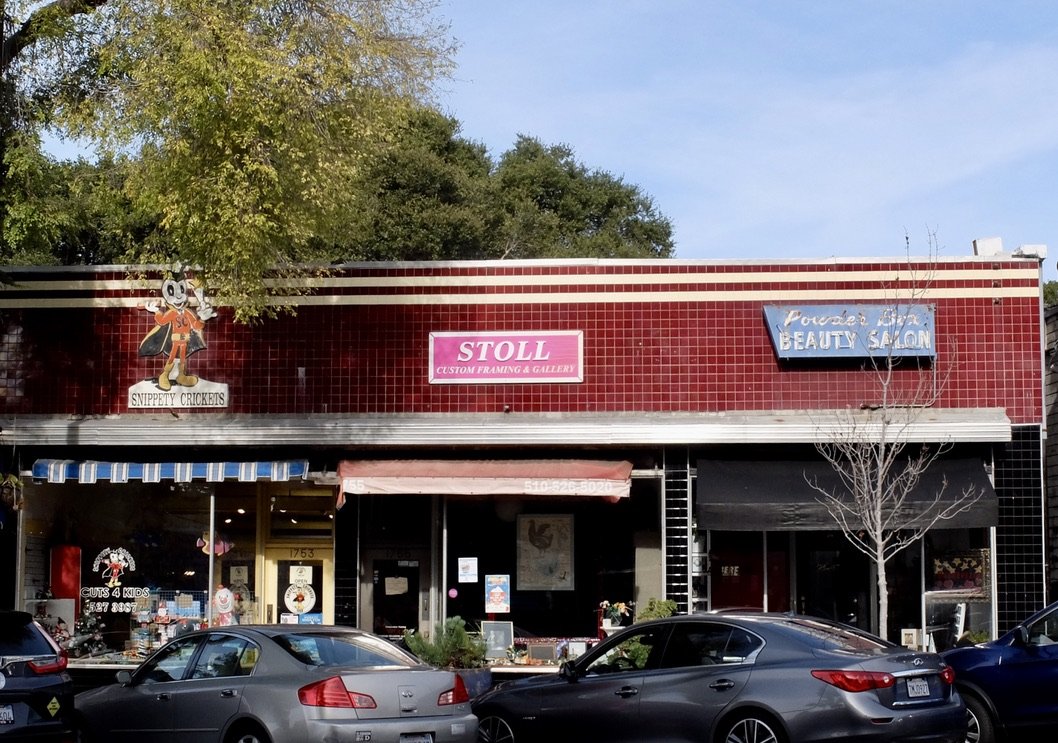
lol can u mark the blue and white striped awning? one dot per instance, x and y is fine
(64, 470)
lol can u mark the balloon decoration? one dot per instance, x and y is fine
(220, 544)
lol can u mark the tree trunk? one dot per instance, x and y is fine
(883, 600)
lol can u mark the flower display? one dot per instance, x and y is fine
(616, 611)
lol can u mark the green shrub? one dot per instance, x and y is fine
(656, 609)
(451, 646)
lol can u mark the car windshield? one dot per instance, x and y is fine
(331, 649)
(834, 636)
(1044, 631)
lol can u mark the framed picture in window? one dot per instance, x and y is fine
(545, 552)
(498, 637)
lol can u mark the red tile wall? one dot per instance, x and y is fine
(638, 355)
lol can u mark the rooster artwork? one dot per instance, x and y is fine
(545, 552)
(540, 536)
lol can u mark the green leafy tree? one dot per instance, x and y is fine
(555, 207)
(250, 139)
(1050, 293)
(427, 196)
(243, 121)
(433, 195)
(67, 212)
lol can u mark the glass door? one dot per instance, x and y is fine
(298, 584)
(395, 590)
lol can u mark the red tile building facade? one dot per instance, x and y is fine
(675, 366)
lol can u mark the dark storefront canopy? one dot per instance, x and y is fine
(569, 477)
(776, 496)
(86, 472)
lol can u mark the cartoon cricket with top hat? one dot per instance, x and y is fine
(178, 332)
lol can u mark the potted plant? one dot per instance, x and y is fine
(452, 646)
(614, 614)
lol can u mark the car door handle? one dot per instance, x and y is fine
(227, 692)
(627, 691)
(162, 697)
(722, 684)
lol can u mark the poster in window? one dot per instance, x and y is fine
(497, 594)
(304, 592)
(545, 552)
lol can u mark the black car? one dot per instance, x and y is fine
(1010, 685)
(737, 678)
(36, 692)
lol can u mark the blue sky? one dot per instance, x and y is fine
(784, 129)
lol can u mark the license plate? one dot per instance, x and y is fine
(917, 688)
(7, 714)
(416, 738)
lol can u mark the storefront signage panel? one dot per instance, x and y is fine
(851, 331)
(490, 357)
(113, 564)
(180, 315)
(301, 599)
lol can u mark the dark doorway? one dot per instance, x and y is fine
(395, 595)
(833, 579)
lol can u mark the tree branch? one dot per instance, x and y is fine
(29, 31)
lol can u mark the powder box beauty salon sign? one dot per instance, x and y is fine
(501, 356)
(851, 331)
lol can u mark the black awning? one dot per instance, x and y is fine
(735, 495)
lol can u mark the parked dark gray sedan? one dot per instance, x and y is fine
(280, 684)
(733, 678)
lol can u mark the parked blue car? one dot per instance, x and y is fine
(1010, 685)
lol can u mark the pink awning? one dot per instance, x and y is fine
(529, 477)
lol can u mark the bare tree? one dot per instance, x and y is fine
(879, 506)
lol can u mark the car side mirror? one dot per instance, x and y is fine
(123, 677)
(1023, 635)
(568, 671)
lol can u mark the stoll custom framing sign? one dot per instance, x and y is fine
(501, 356)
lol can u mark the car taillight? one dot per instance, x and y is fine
(331, 692)
(947, 675)
(456, 695)
(856, 681)
(49, 666)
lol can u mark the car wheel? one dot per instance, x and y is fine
(979, 727)
(494, 729)
(751, 729)
(247, 733)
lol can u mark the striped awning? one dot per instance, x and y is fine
(64, 470)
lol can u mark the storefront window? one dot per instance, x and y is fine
(301, 515)
(958, 598)
(125, 567)
(746, 567)
(584, 555)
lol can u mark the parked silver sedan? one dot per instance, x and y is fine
(733, 678)
(280, 684)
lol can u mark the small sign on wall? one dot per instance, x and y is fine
(468, 570)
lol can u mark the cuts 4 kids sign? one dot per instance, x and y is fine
(488, 357)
